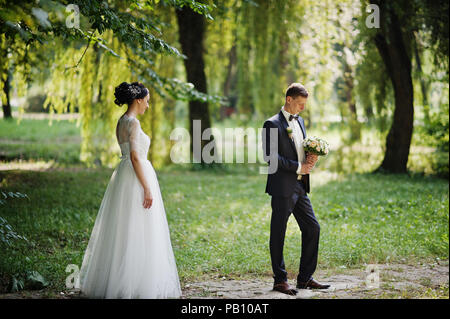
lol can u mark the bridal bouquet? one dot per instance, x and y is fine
(316, 145)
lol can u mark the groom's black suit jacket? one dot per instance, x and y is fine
(282, 182)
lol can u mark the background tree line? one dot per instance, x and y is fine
(209, 59)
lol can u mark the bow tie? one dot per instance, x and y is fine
(293, 117)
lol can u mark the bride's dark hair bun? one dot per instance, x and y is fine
(125, 93)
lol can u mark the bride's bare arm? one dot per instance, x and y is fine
(137, 165)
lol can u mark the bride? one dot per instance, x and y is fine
(129, 254)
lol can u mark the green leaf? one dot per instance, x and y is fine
(42, 17)
(35, 281)
(16, 285)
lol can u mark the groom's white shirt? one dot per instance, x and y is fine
(298, 139)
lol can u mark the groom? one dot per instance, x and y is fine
(288, 186)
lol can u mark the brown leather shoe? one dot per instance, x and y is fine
(285, 288)
(311, 284)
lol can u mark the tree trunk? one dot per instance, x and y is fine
(229, 87)
(191, 27)
(390, 42)
(423, 83)
(7, 114)
(230, 79)
(355, 127)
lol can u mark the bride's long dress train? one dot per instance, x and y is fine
(129, 254)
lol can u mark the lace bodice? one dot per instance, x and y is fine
(131, 137)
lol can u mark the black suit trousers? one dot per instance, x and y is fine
(282, 207)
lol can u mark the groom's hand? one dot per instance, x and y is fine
(312, 158)
(306, 168)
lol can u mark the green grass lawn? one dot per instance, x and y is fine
(37, 140)
(219, 218)
(220, 221)
(34, 140)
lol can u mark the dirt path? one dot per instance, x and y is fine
(395, 281)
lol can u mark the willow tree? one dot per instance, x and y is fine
(346, 53)
(246, 54)
(220, 55)
(191, 28)
(160, 120)
(373, 88)
(18, 58)
(255, 39)
(256, 48)
(268, 25)
(245, 103)
(394, 40)
(280, 42)
(311, 37)
(114, 41)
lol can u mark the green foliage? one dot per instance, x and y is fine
(196, 6)
(7, 234)
(111, 44)
(35, 281)
(254, 49)
(437, 35)
(8, 237)
(438, 129)
(7, 195)
(21, 19)
(99, 20)
(262, 53)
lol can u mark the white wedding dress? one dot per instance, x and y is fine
(129, 254)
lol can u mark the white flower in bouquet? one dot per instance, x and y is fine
(316, 145)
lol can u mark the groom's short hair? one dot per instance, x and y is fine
(296, 89)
